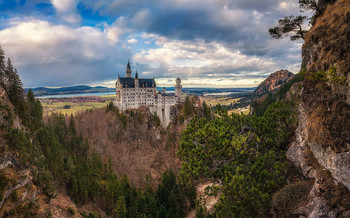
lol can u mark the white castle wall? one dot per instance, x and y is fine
(163, 112)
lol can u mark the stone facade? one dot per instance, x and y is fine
(132, 93)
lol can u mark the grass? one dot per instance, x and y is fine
(223, 100)
(73, 106)
(245, 111)
(61, 107)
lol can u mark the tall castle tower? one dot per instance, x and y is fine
(128, 70)
(178, 88)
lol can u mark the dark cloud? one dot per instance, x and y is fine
(240, 23)
(53, 45)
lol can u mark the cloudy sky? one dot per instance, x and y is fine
(208, 43)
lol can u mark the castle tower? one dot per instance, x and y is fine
(178, 89)
(136, 79)
(128, 70)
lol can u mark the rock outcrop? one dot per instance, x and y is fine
(272, 83)
(322, 145)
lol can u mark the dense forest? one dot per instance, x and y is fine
(244, 157)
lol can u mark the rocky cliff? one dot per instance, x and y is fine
(322, 145)
(272, 83)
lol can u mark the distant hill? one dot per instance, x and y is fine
(272, 83)
(44, 91)
(40, 91)
(200, 91)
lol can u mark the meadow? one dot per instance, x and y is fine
(74, 105)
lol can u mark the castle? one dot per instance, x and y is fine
(132, 93)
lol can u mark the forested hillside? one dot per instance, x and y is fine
(135, 142)
(43, 164)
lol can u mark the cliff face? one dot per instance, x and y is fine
(322, 146)
(272, 83)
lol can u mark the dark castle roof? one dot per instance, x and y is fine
(129, 82)
(148, 83)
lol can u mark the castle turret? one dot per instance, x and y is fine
(136, 79)
(128, 70)
(178, 89)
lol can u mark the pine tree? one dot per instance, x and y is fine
(289, 24)
(2, 66)
(71, 127)
(120, 208)
(13, 83)
(188, 107)
(9, 75)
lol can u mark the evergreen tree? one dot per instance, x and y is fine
(2, 66)
(9, 75)
(188, 107)
(71, 127)
(289, 24)
(207, 111)
(120, 208)
(13, 84)
(244, 154)
(35, 111)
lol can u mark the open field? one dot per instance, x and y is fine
(74, 105)
(244, 110)
(223, 100)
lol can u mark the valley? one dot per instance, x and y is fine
(68, 104)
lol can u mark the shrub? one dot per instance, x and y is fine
(291, 197)
(3, 184)
(14, 196)
(67, 106)
(330, 76)
(110, 106)
(71, 211)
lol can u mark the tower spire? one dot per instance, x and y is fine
(136, 75)
(128, 69)
(128, 65)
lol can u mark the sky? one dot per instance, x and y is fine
(207, 43)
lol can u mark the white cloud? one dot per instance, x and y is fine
(67, 10)
(211, 64)
(199, 58)
(205, 42)
(65, 5)
(54, 55)
(132, 41)
(116, 30)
